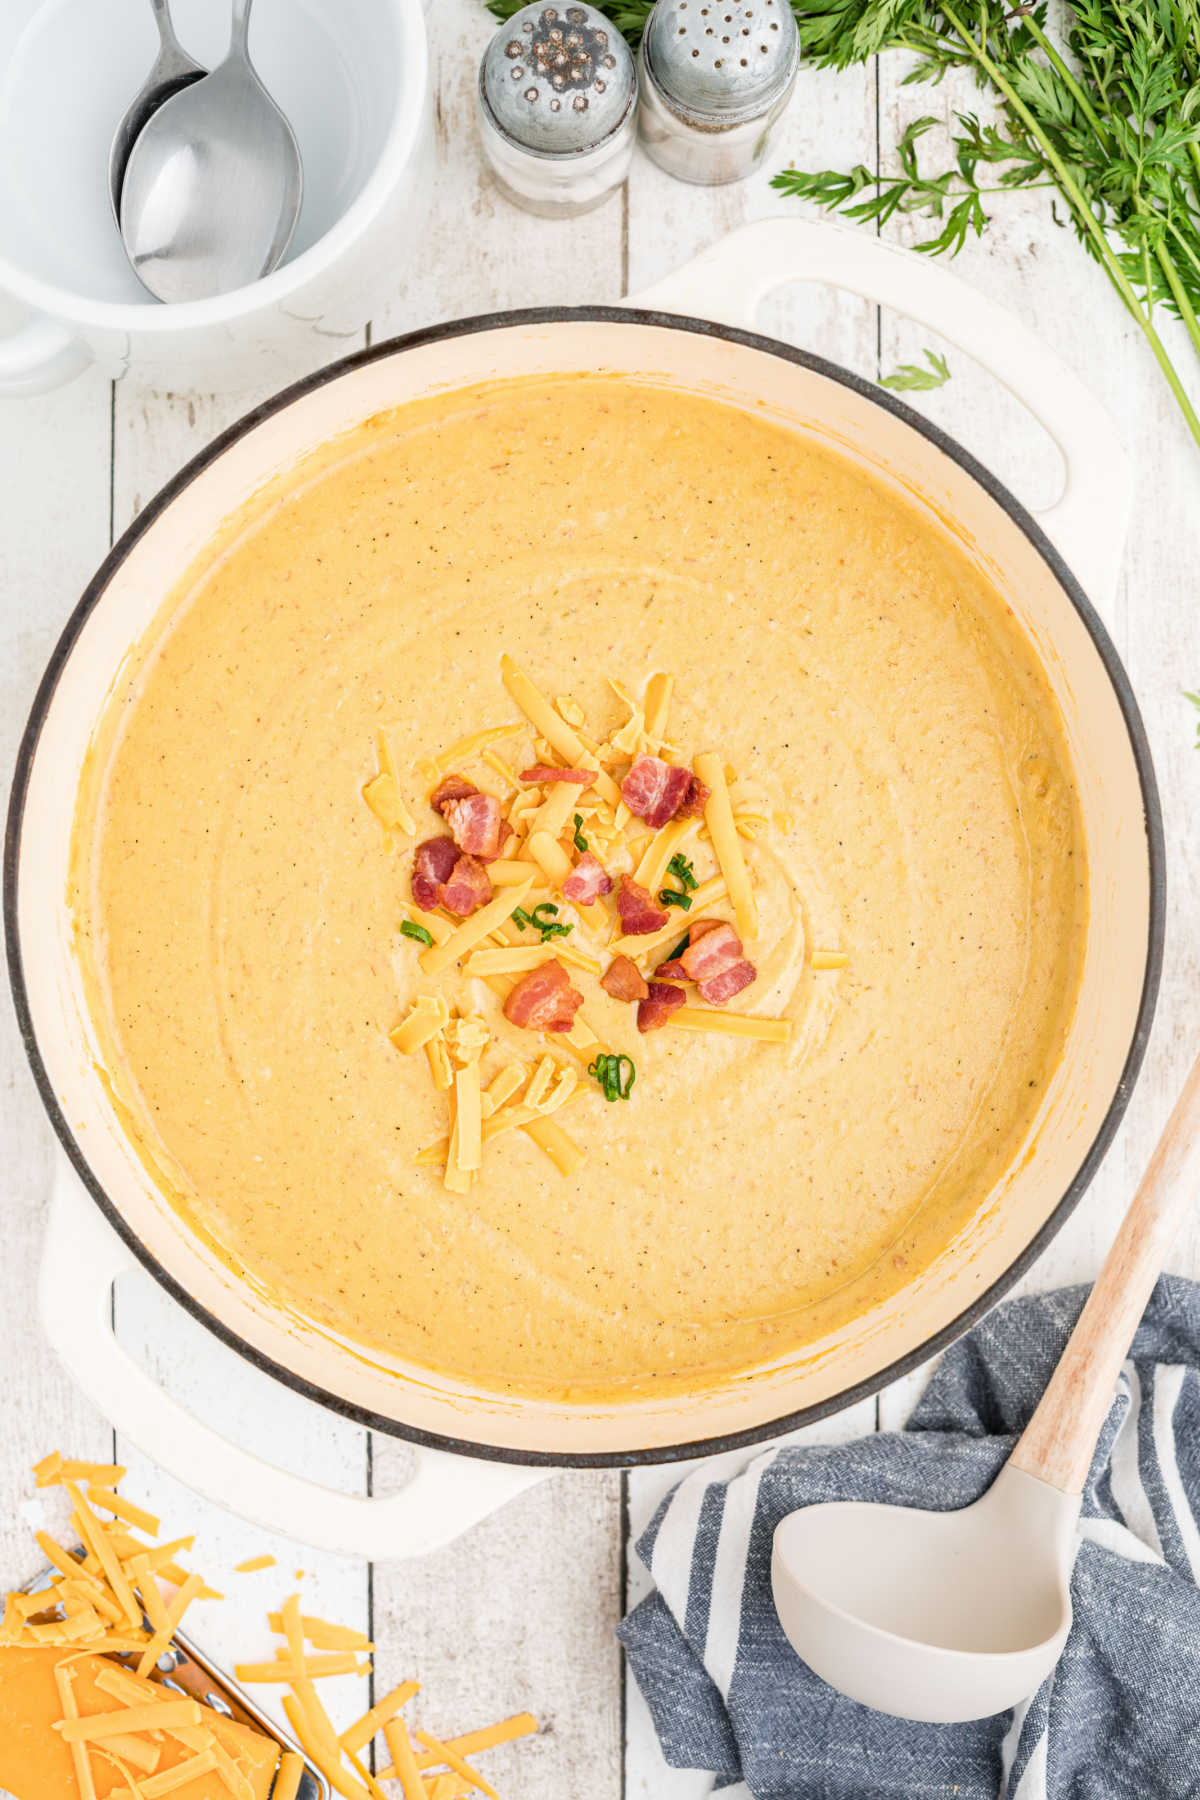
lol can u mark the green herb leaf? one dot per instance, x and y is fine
(615, 1075)
(684, 873)
(680, 947)
(535, 917)
(521, 919)
(916, 378)
(410, 929)
(1195, 700)
(581, 842)
(1102, 115)
(671, 897)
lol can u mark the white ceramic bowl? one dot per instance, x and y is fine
(352, 76)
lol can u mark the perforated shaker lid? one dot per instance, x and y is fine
(558, 79)
(722, 59)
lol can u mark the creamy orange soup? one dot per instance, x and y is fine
(239, 907)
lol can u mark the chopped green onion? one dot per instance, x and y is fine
(672, 897)
(581, 842)
(419, 932)
(615, 1074)
(681, 946)
(549, 927)
(684, 873)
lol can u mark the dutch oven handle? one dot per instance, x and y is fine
(447, 1494)
(728, 282)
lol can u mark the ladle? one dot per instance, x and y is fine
(948, 1616)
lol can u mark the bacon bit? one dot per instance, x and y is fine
(712, 946)
(468, 888)
(542, 774)
(716, 963)
(640, 914)
(655, 790)
(671, 971)
(624, 980)
(702, 927)
(694, 800)
(660, 1002)
(587, 880)
(544, 1000)
(507, 834)
(719, 988)
(475, 823)
(433, 863)
(454, 787)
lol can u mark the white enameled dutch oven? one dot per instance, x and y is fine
(352, 76)
(1045, 570)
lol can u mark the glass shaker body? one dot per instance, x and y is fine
(557, 108)
(715, 78)
(558, 185)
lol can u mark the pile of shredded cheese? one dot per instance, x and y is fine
(122, 1596)
(547, 823)
(106, 1596)
(312, 1650)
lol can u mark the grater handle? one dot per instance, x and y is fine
(81, 1259)
(727, 283)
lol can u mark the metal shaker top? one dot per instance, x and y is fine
(558, 79)
(722, 60)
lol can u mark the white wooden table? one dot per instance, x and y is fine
(521, 1613)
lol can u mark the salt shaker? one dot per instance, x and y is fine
(715, 77)
(558, 108)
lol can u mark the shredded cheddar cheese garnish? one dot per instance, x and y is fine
(718, 816)
(382, 794)
(699, 1018)
(687, 866)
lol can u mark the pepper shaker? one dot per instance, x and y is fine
(715, 77)
(558, 108)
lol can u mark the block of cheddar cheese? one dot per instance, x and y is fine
(37, 1762)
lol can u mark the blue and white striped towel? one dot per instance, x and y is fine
(1119, 1720)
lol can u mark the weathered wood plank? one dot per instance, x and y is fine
(519, 1615)
(478, 251)
(54, 504)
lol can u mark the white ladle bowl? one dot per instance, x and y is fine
(949, 1616)
(935, 1616)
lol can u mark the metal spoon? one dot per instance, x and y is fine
(213, 185)
(949, 1616)
(173, 69)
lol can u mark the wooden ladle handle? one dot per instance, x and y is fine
(1060, 1439)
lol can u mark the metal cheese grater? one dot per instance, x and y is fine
(558, 108)
(186, 1670)
(715, 77)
